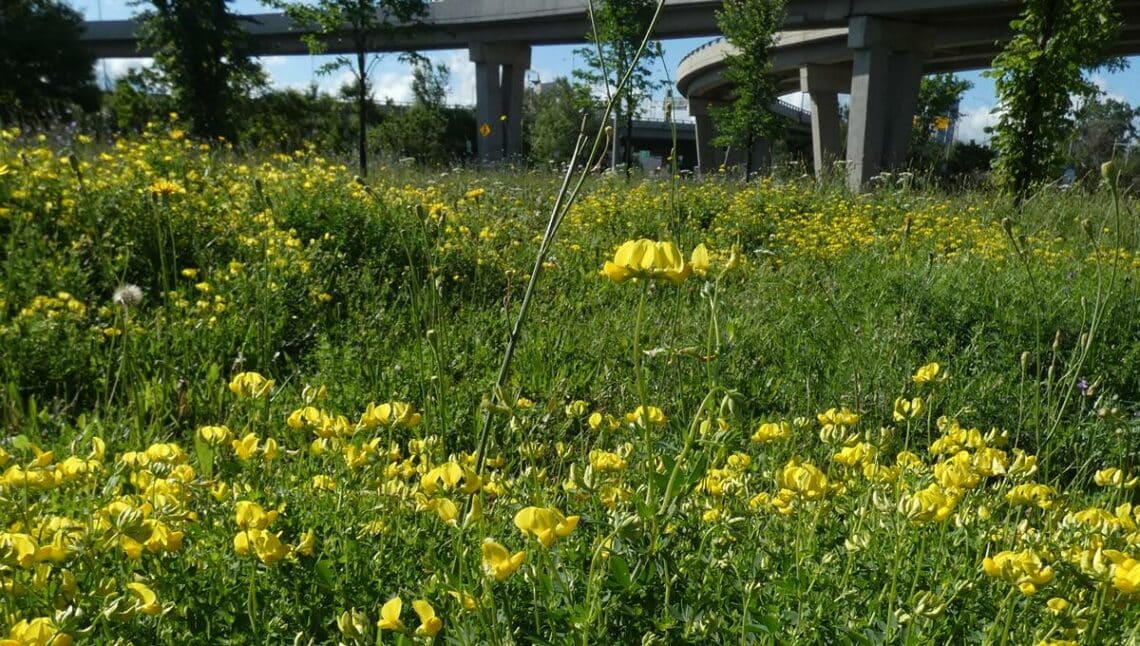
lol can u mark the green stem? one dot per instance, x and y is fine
(894, 585)
(639, 369)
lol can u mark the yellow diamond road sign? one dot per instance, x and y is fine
(485, 130)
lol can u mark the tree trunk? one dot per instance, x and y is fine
(1028, 167)
(628, 139)
(362, 110)
(748, 159)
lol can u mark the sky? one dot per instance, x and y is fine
(392, 79)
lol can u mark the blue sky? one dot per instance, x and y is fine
(392, 79)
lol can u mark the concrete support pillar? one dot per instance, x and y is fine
(885, 73)
(513, 86)
(866, 120)
(707, 161)
(500, 69)
(906, 76)
(822, 84)
(488, 107)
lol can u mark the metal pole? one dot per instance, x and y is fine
(613, 152)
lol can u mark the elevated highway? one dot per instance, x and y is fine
(878, 60)
(876, 50)
(454, 24)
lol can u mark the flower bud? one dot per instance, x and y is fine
(1110, 171)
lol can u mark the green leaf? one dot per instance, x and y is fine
(619, 572)
(205, 454)
(325, 576)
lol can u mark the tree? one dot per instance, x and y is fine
(751, 27)
(365, 24)
(44, 69)
(1055, 42)
(200, 49)
(1101, 127)
(139, 97)
(620, 28)
(938, 98)
(553, 116)
(420, 130)
(287, 120)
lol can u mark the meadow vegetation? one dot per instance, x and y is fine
(242, 399)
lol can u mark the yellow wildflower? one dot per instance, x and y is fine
(250, 384)
(166, 188)
(146, 601)
(214, 435)
(928, 373)
(803, 479)
(251, 515)
(41, 631)
(390, 615)
(390, 414)
(907, 408)
(1023, 569)
(545, 523)
(647, 259)
(771, 431)
(653, 414)
(245, 447)
(699, 260)
(430, 624)
(307, 544)
(498, 563)
(265, 544)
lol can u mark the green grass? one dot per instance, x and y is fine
(406, 293)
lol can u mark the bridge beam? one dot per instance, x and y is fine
(500, 70)
(885, 76)
(823, 84)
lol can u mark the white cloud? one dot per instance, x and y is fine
(332, 83)
(275, 62)
(1102, 84)
(974, 121)
(461, 89)
(394, 84)
(109, 70)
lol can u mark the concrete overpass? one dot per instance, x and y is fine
(498, 34)
(878, 60)
(455, 24)
(656, 136)
(874, 49)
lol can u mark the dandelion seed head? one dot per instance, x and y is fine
(128, 295)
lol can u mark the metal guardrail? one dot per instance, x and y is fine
(803, 116)
(701, 48)
(795, 112)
